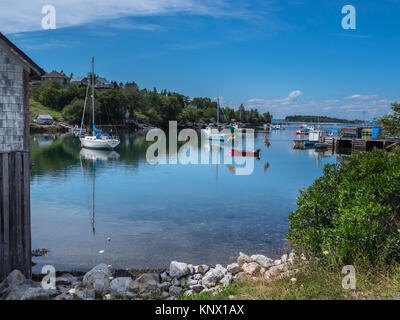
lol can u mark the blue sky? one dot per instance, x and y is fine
(286, 57)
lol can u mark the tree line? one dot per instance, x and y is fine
(149, 106)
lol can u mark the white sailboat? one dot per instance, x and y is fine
(212, 132)
(99, 139)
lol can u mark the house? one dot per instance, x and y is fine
(80, 81)
(61, 77)
(44, 119)
(103, 83)
(16, 70)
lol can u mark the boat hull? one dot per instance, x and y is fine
(101, 144)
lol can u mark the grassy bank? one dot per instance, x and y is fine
(317, 282)
(37, 108)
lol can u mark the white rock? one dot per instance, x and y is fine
(120, 285)
(252, 268)
(277, 262)
(191, 269)
(227, 279)
(192, 282)
(188, 293)
(198, 276)
(233, 268)
(202, 269)
(97, 278)
(178, 269)
(243, 258)
(212, 277)
(284, 258)
(263, 260)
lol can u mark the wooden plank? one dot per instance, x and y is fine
(26, 77)
(26, 202)
(5, 213)
(18, 211)
(2, 273)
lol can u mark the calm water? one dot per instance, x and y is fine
(155, 214)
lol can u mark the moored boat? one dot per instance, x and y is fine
(99, 139)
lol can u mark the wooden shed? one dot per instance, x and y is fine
(16, 70)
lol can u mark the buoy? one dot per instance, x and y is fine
(81, 145)
(108, 239)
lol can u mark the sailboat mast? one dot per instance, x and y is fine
(93, 91)
(218, 112)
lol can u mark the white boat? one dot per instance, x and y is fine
(212, 132)
(99, 139)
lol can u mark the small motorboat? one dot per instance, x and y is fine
(240, 153)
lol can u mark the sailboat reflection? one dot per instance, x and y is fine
(95, 156)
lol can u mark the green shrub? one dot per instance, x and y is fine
(352, 211)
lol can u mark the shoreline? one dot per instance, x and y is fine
(178, 281)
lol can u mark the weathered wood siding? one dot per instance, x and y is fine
(15, 225)
(12, 115)
(15, 233)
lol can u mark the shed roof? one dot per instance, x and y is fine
(22, 56)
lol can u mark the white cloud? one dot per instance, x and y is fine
(25, 15)
(363, 97)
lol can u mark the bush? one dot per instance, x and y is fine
(352, 211)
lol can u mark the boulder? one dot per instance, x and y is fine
(263, 260)
(178, 269)
(66, 280)
(197, 288)
(201, 269)
(164, 285)
(284, 258)
(98, 279)
(227, 279)
(165, 277)
(212, 277)
(241, 277)
(243, 258)
(147, 283)
(277, 262)
(198, 276)
(175, 291)
(120, 285)
(38, 294)
(252, 268)
(233, 268)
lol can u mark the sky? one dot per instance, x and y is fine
(285, 57)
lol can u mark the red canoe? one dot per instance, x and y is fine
(238, 153)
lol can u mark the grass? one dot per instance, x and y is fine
(37, 108)
(316, 282)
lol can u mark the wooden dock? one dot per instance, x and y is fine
(357, 145)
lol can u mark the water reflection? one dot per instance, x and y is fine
(158, 213)
(95, 156)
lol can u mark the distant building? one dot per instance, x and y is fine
(61, 77)
(103, 83)
(44, 119)
(80, 81)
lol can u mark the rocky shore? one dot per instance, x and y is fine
(180, 279)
